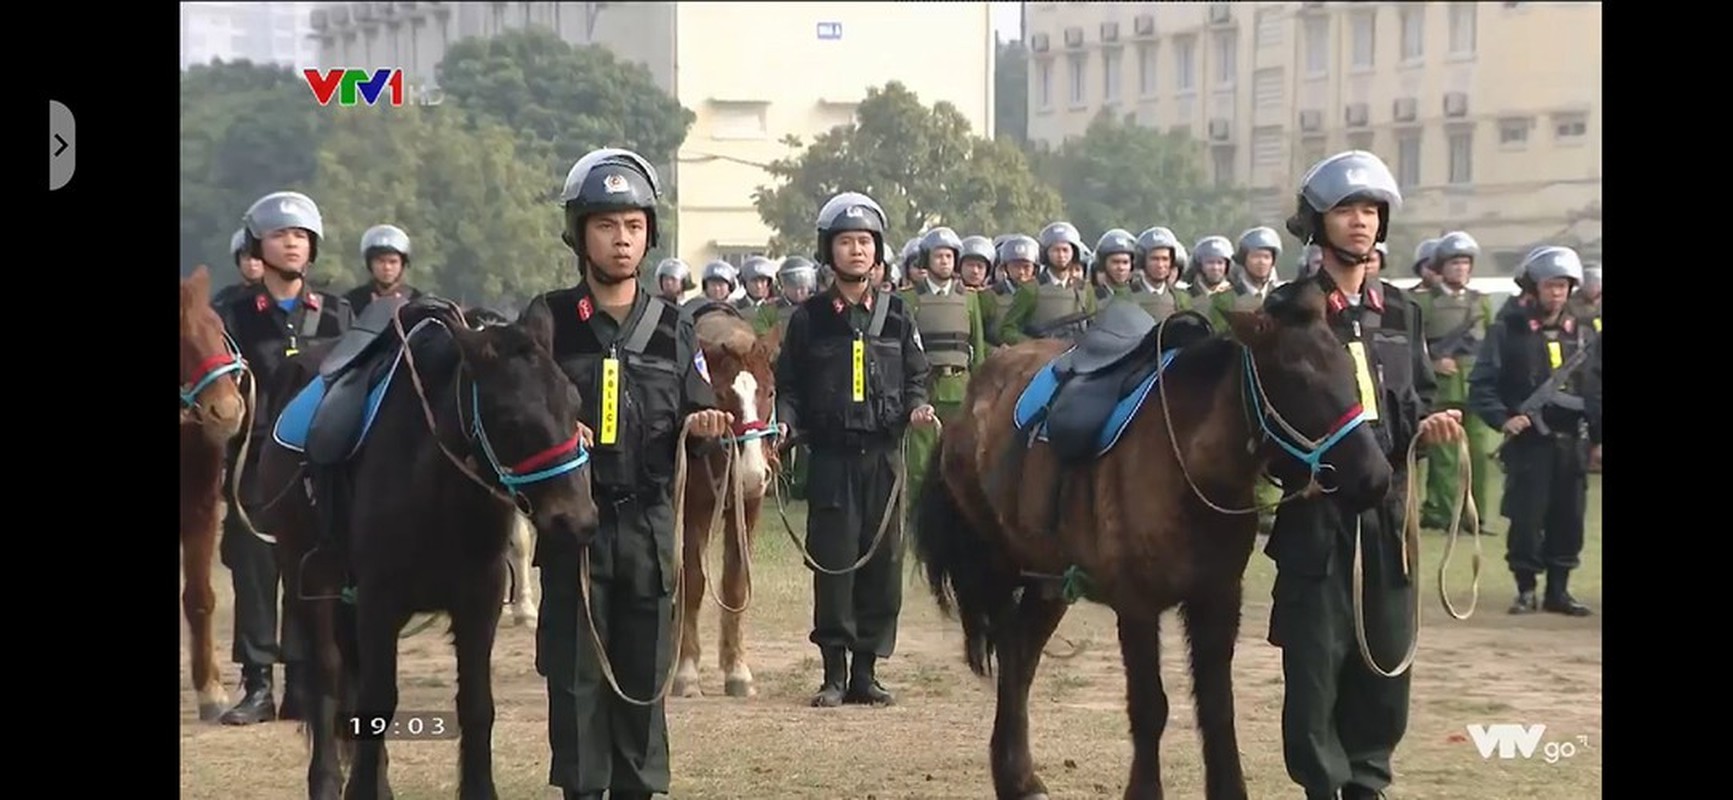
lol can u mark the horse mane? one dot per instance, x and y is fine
(730, 333)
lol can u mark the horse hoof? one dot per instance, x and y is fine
(1035, 796)
(687, 688)
(210, 712)
(739, 687)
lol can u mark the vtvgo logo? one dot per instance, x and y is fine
(352, 86)
(1512, 741)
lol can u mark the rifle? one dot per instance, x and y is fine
(1079, 319)
(1549, 394)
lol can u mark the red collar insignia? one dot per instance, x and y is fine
(836, 303)
(586, 309)
(313, 301)
(1570, 325)
(1374, 298)
(1533, 324)
(260, 303)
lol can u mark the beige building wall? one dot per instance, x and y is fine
(1487, 112)
(752, 73)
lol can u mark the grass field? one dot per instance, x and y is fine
(1490, 669)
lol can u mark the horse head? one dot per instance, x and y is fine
(210, 365)
(740, 369)
(523, 414)
(1302, 389)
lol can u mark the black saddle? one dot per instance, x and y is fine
(1102, 380)
(362, 335)
(351, 371)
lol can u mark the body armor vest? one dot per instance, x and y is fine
(1526, 362)
(1002, 295)
(943, 320)
(1457, 318)
(1053, 301)
(1160, 305)
(1383, 335)
(826, 369)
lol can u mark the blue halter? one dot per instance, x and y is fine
(211, 370)
(1306, 451)
(563, 457)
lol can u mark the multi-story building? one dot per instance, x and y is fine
(264, 33)
(1487, 112)
(751, 72)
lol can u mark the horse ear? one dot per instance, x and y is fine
(199, 282)
(1250, 328)
(537, 320)
(474, 347)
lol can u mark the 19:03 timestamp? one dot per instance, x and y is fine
(403, 725)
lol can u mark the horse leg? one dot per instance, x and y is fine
(1020, 632)
(377, 625)
(522, 551)
(199, 601)
(1146, 699)
(319, 625)
(1212, 623)
(731, 650)
(474, 624)
(693, 594)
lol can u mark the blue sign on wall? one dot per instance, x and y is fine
(829, 31)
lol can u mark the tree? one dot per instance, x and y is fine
(923, 165)
(1011, 91)
(1122, 175)
(476, 210)
(246, 130)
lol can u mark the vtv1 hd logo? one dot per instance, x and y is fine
(350, 86)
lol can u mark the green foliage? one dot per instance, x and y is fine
(922, 164)
(1011, 92)
(246, 130)
(478, 212)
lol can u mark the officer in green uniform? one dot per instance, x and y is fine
(1341, 721)
(949, 319)
(1014, 258)
(1425, 267)
(1115, 253)
(975, 269)
(758, 307)
(1160, 260)
(1256, 255)
(608, 325)
(1456, 318)
(1058, 302)
(1211, 291)
(673, 280)
(851, 378)
(1548, 450)
(796, 280)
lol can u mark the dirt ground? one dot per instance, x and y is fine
(1491, 669)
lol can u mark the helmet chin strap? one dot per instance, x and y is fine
(284, 273)
(1347, 257)
(845, 278)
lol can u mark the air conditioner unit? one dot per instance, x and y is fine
(362, 12)
(1356, 116)
(1455, 104)
(1109, 32)
(1219, 130)
(1220, 14)
(1311, 121)
(1143, 25)
(1405, 109)
(318, 19)
(1073, 37)
(1038, 43)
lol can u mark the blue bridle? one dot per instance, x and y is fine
(1307, 451)
(551, 463)
(211, 370)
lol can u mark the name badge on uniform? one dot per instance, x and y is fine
(610, 433)
(1363, 377)
(1555, 354)
(858, 383)
(289, 351)
(1597, 324)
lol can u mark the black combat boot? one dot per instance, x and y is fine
(830, 695)
(568, 794)
(294, 692)
(1525, 599)
(1558, 596)
(1354, 791)
(257, 705)
(863, 687)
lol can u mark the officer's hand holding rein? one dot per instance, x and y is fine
(710, 423)
(1444, 426)
(923, 416)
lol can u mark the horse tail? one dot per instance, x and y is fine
(959, 570)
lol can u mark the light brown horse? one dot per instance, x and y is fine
(724, 491)
(1159, 520)
(212, 411)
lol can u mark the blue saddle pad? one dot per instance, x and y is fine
(1037, 398)
(296, 421)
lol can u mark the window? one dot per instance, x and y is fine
(1267, 148)
(1226, 43)
(1462, 20)
(738, 120)
(1317, 45)
(1363, 27)
(1312, 150)
(737, 256)
(1079, 68)
(1360, 141)
(1112, 63)
(1413, 32)
(1408, 158)
(1146, 70)
(1570, 127)
(1461, 156)
(1268, 90)
(1222, 158)
(1513, 133)
(1044, 83)
(1185, 64)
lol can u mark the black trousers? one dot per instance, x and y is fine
(253, 570)
(847, 492)
(1545, 498)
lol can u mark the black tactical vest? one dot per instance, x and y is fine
(826, 368)
(647, 429)
(1526, 362)
(1380, 325)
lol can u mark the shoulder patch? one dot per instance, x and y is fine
(701, 364)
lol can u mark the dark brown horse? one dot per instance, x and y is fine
(725, 490)
(1143, 522)
(477, 423)
(212, 411)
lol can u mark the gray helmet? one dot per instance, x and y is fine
(759, 267)
(1156, 237)
(1000, 239)
(1344, 177)
(797, 271)
(1307, 253)
(976, 247)
(849, 211)
(237, 245)
(676, 269)
(1423, 255)
(1548, 262)
(722, 271)
(606, 180)
(279, 210)
(1117, 240)
(1455, 244)
(910, 252)
(937, 238)
(1019, 248)
(1592, 275)
(386, 238)
(1055, 233)
(1259, 238)
(894, 273)
(1212, 247)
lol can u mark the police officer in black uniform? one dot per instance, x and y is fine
(1548, 449)
(637, 363)
(385, 254)
(250, 269)
(1341, 721)
(270, 323)
(851, 377)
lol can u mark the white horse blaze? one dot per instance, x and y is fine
(753, 471)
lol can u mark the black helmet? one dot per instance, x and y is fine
(607, 180)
